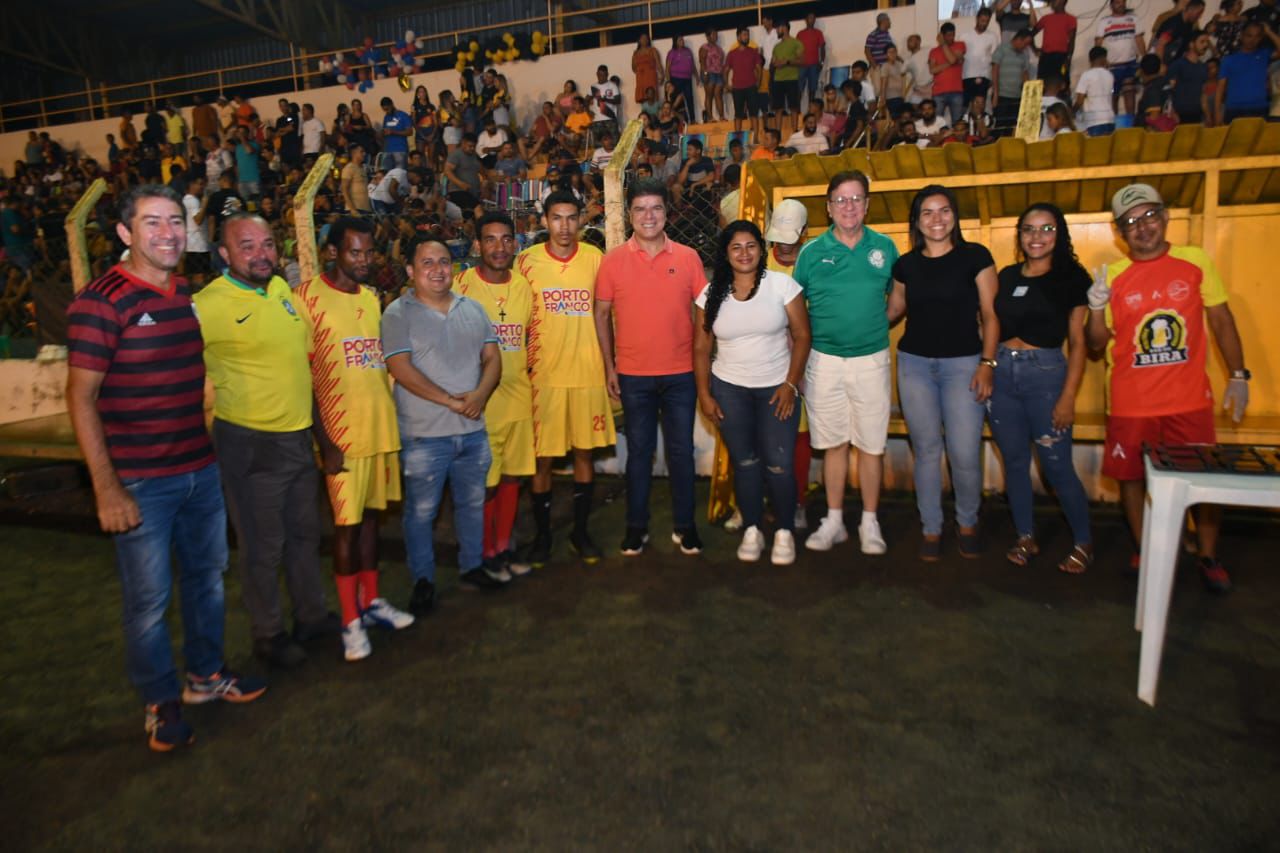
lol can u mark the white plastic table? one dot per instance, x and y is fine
(1169, 493)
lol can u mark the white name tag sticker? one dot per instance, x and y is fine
(1021, 290)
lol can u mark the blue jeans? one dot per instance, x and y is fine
(1027, 386)
(952, 103)
(395, 160)
(182, 515)
(809, 75)
(684, 85)
(645, 399)
(762, 449)
(1101, 129)
(935, 396)
(427, 463)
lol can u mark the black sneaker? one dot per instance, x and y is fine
(423, 600)
(166, 730)
(588, 551)
(635, 540)
(688, 540)
(538, 554)
(515, 566)
(482, 578)
(1215, 576)
(280, 651)
(329, 626)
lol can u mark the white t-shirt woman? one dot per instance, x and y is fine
(753, 346)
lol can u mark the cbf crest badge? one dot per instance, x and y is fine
(876, 258)
(288, 306)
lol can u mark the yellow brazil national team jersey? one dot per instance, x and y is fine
(352, 387)
(510, 307)
(564, 351)
(255, 350)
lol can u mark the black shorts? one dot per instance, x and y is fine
(786, 95)
(974, 86)
(744, 103)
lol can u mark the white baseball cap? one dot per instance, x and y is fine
(1127, 198)
(788, 222)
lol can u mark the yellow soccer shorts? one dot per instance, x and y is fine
(512, 447)
(565, 419)
(368, 483)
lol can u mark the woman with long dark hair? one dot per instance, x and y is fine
(946, 288)
(1041, 302)
(760, 331)
(424, 120)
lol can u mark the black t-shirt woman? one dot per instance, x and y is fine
(946, 288)
(1041, 303)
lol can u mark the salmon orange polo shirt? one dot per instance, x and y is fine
(652, 306)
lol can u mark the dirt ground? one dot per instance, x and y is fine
(668, 702)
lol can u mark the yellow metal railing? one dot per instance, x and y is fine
(299, 69)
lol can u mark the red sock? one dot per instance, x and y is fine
(803, 455)
(347, 585)
(490, 529)
(508, 501)
(368, 587)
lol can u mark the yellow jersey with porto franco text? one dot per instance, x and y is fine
(509, 306)
(255, 352)
(1156, 357)
(564, 351)
(352, 387)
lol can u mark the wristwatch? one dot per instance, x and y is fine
(1242, 373)
(990, 362)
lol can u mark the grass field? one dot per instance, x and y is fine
(674, 703)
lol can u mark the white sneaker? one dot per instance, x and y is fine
(380, 614)
(752, 545)
(802, 520)
(872, 540)
(784, 548)
(734, 522)
(355, 642)
(830, 532)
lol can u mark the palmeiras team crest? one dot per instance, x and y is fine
(1161, 339)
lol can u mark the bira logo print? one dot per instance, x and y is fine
(1161, 339)
(573, 301)
(362, 353)
(510, 336)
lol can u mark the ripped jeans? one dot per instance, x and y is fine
(1027, 386)
(762, 449)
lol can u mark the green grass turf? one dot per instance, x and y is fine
(669, 702)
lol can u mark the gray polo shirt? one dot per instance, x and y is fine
(446, 349)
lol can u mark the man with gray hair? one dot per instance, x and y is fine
(879, 41)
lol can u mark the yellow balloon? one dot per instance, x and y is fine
(405, 83)
(475, 45)
(508, 38)
(515, 53)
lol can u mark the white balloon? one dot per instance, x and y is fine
(408, 35)
(342, 78)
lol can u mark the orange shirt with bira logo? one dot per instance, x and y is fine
(1156, 357)
(652, 306)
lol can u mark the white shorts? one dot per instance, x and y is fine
(848, 400)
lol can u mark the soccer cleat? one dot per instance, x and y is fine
(514, 565)
(381, 614)
(588, 551)
(165, 727)
(280, 651)
(688, 540)
(802, 520)
(1214, 575)
(225, 685)
(496, 569)
(538, 554)
(355, 642)
(871, 538)
(752, 545)
(784, 548)
(635, 540)
(830, 532)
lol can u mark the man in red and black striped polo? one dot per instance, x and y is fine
(135, 393)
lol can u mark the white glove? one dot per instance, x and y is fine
(1099, 291)
(1236, 398)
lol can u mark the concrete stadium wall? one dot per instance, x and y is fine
(532, 83)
